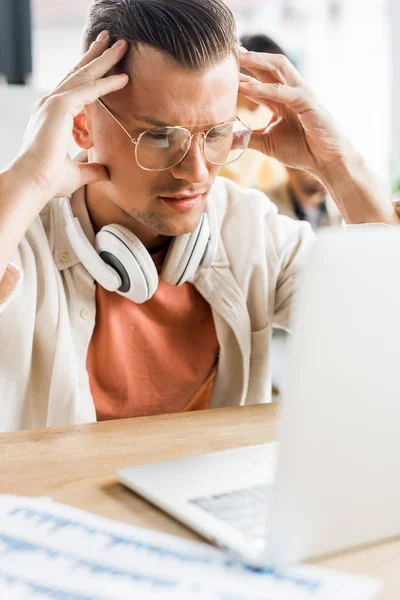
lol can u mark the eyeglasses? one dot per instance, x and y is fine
(162, 148)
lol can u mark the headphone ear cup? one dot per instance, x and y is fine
(121, 249)
(186, 253)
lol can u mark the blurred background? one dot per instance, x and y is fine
(344, 48)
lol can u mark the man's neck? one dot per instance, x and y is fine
(103, 211)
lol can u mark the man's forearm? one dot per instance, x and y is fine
(358, 193)
(20, 203)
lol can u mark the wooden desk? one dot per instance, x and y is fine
(77, 465)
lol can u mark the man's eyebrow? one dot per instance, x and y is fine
(150, 121)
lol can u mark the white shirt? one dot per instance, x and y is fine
(48, 308)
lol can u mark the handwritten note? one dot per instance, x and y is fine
(52, 551)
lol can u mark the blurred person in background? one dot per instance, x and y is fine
(300, 196)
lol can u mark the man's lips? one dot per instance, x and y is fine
(181, 202)
(181, 196)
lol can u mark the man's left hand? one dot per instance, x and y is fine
(302, 133)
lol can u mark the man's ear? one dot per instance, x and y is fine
(81, 133)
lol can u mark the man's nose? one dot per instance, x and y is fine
(193, 167)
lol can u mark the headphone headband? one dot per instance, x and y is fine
(100, 271)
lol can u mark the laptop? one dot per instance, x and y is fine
(332, 481)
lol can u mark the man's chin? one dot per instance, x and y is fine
(183, 225)
(179, 222)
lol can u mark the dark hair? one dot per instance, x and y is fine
(197, 34)
(261, 43)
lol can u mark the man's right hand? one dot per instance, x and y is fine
(44, 161)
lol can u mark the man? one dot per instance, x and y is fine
(166, 70)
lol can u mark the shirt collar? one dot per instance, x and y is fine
(64, 254)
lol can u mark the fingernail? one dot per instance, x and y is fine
(118, 44)
(102, 36)
(243, 50)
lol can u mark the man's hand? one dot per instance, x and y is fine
(44, 162)
(302, 134)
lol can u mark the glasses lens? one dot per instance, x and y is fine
(226, 143)
(162, 148)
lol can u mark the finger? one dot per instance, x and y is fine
(92, 173)
(267, 65)
(261, 142)
(265, 75)
(274, 107)
(261, 139)
(96, 49)
(97, 68)
(74, 101)
(264, 102)
(298, 99)
(247, 78)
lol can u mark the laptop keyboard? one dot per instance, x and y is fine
(244, 509)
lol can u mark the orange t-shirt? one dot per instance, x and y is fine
(153, 358)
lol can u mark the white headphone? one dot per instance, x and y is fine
(120, 263)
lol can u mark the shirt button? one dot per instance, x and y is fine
(64, 257)
(85, 313)
(82, 385)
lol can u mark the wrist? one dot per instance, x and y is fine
(19, 186)
(357, 191)
(26, 176)
(348, 167)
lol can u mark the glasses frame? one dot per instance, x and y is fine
(204, 134)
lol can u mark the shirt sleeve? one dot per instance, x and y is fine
(9, 284)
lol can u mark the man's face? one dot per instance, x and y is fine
(162, 93)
